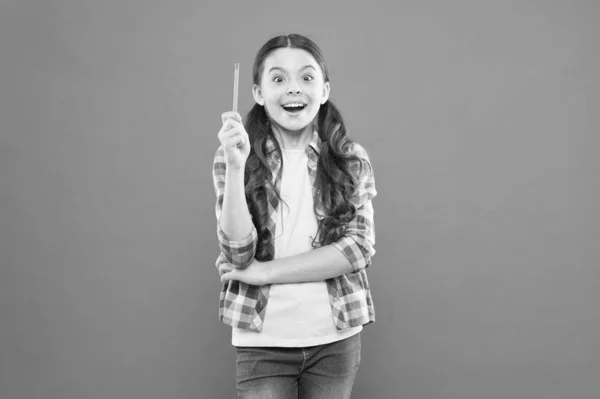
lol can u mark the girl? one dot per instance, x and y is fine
(295, 229)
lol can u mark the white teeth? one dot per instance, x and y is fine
(293, 105)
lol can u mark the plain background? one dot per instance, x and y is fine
(481, 119)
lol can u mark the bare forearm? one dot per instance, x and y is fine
(235, 221)
(316, 265)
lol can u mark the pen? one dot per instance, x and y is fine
(236, 78)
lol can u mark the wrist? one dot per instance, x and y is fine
(267, 272)
(234, 172)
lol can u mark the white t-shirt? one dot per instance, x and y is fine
(298, 314)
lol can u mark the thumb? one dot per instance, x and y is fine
(226, 277)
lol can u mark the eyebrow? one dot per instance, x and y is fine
(283, 69)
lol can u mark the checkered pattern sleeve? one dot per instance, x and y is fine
(358, 243)
(240, 252)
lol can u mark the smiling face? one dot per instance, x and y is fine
(292, 89)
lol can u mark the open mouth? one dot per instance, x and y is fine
(293, 107)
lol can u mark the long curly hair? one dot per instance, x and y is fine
(335, 181)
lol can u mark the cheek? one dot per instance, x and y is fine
(273, 106)
(317, 93)
(272, 99)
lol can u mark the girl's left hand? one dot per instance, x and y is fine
(254, 274)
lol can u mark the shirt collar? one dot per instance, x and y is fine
(315, 143)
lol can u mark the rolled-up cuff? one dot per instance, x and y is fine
(238, 252)
(352, 251)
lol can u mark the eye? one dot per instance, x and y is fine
(277, 79)
(307, 78)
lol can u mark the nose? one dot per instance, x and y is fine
(294, 88)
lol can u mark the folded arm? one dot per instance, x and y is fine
(349, 254)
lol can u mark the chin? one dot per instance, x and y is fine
(295, 128)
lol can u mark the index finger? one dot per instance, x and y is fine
(231, 115)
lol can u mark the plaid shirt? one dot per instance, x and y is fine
(243, 306)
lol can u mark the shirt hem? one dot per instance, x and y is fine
(300, 343)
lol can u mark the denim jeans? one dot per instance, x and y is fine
(315, 372)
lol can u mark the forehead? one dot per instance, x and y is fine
(290, 59)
